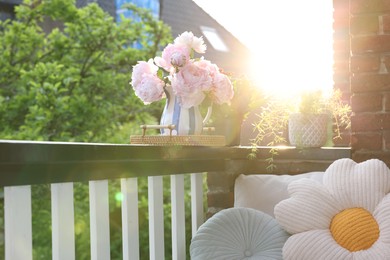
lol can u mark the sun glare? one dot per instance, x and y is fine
(291, 41)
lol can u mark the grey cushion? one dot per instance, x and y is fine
(238, 233)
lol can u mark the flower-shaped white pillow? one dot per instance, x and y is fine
(347, 217)
(239, 233)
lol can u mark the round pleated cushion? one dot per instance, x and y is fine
(238, 233)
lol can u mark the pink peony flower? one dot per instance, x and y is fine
(191, 80)
(146, 84)
(178, 59)
(173, 56)
(141, 69)
(150, 89)
(188, 39)
(210, 67)
(222, 91)
(189, 84)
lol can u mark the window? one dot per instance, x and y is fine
(215, 40)
(152, 5)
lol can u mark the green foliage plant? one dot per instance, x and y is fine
(273, 119)
(69, 82)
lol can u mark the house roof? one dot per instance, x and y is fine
(186, 15)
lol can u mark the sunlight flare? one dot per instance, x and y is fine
(292, 46)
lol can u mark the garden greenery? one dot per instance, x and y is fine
(64, 76)
(64, 71)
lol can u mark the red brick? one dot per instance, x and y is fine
(386, 121)
(370, 82)
(386, 61)
(366, 102)
(341, 66)
(366, 141)
(340, 23)
(365, 64)
(369, 6)
(387, 102)
(341, 7)
(370, 44)
(386, 23)
(341, 54)
(341, 44)
(386, 138)
(364, 24)
(340, 20)
(214, 181)
(366, 122)
(360, 156)
(220, 199)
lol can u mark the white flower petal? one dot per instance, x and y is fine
(309, 207)
(314, 245)
(378, 251)
(382, 216)
(358, 185)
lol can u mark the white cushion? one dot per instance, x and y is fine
(360, 192)
(263, 191)
(239, 233)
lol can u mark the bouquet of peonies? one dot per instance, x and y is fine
(192, 80)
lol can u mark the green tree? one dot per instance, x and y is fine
(69, 82)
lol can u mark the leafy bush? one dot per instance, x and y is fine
(64, 76)
(70, 82)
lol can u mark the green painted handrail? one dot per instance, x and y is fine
(26, 162)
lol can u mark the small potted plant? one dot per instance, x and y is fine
(309, 126)
(310, 121)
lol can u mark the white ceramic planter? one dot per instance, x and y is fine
(308, 130)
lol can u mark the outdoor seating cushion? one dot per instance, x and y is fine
(263, 192)
(346, 217)
(238, 233)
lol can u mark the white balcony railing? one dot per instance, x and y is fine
(23, 164)
(18, 218)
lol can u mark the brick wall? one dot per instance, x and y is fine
(370, 78)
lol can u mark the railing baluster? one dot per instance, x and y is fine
(156, 218)
(196, 201)
(99, 220)
(130, 228)
(178, 217)
(17, 220)
(62, 212)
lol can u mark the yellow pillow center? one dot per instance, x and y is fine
(354, 229)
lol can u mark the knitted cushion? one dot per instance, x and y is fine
(238, 233)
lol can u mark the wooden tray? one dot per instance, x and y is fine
(190, 140)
